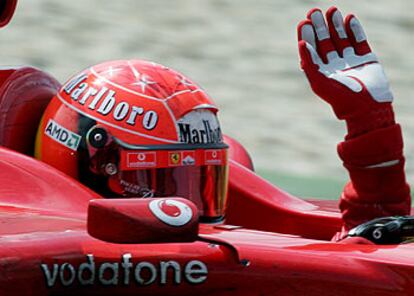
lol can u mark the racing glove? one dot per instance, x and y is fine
(343, 71)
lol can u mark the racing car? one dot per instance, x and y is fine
(57, 237)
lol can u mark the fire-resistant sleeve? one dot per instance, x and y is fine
(377, 186)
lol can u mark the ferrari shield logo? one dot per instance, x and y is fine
(175, 158)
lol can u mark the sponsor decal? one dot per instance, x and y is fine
(199, 136)
(62, 135)
(105, 102)
(189, 158)
(199, 127)
(171, 212)
(179, 158)
(141, 159)
(123, 273)
(213, 157)
(133, 159)
(136, 189)
(174, 158)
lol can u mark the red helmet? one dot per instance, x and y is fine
(137, 129)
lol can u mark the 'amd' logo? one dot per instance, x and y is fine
(62, 135)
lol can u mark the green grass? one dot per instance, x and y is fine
(305, 187)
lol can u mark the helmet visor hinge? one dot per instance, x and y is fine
(97, 137)
(110, 169)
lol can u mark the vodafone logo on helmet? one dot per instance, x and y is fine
(171, 212)
(141, 156)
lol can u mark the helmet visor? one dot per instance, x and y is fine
(199, 175)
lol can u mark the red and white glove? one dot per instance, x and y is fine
(342, 70)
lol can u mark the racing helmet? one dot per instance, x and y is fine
(133, 128)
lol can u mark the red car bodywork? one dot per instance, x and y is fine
(44, 245)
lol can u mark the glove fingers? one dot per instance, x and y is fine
(310, 60)
(356, 35)
(337, 30)
(324, 45)
(310, 63)
(306, 32)
(322, 85)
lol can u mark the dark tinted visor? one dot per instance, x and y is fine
(199, 175)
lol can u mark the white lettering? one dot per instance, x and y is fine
(151, 269)
(150, 120)
(97, 98)
(113, 271)
(109, 273)
(74, 82)
(195, 272)
(121, 111)
(164, 271)
(107, 104)
(89, 267)
(84, 94)
(50, 278)
(89, 92)
(71, 271)
(77, 92)
(126, 265)
(134, 112)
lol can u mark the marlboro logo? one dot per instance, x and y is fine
(107, 102)
(199, 127)
(199, 136)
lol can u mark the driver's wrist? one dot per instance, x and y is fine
(380, 146)
(365, 122)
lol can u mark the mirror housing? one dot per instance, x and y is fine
(7, 8)
(143, 220)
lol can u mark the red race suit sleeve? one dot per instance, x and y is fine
(378, 186)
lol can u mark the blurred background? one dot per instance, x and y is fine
(243, 53)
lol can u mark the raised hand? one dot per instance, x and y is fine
(342, 69)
